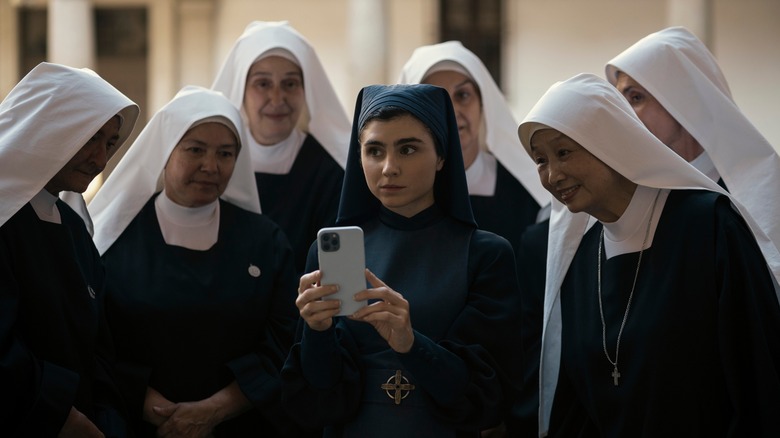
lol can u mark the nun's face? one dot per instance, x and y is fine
(88, 162)
(273, 99)
(400, 163)
(578, 179)
(200, 166)
(657, 119)
(467, 102)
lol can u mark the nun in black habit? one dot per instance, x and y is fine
(200, 285)
(432, 352)
(57, 127)
(295, 127)
(660, 314)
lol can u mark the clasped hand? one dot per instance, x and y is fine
(191, 419)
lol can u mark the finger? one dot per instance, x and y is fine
(315, 294)
(383, 293)
(317, 306)
(393, 320)
(373, 280)
(380, 307)
(321, 319)
(165, 411)
(309, 280)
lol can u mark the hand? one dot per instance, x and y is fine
(154, 399)
(317, 313)
(389, 316)
(77, 425)
(187, 420)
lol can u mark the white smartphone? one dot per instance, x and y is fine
(342, 261)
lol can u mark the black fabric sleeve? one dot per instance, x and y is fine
(322, 377)
(36, 395)
(531, 271)
(749, 327)
(257, 373)
(484, 340)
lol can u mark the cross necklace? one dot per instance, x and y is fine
(615, 372)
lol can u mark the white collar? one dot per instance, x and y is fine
(278, 158)
(45, 206)
(194, 228)
(626, 234)
(705, 165)
(482, 174)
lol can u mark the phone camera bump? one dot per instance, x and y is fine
(330, 242)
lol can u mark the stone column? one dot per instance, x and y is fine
(9, 43)
(163, 66)
(71, 33)
(196, 42)
(696, 15)
(367, 36)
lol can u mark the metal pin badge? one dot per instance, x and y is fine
(254, 271)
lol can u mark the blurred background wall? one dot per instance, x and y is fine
(149, 49)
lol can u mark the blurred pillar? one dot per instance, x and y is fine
(696, 15)
(71, 33)
(367, 36)
(196, 39)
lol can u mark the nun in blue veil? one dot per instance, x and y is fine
(432, 353)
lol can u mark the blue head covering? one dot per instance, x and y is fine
(433, 107)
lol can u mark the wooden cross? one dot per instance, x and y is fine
(615, 375)
(399, 384)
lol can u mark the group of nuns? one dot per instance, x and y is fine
(576, 275)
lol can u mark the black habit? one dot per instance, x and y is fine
(303, 200)
(700, 352)
(187, 323)
(55, 351)
(509, 211)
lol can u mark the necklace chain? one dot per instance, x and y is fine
(615, 372)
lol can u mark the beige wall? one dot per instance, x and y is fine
(551, 40)
(545, 41)
(325, 23)
(746, 42)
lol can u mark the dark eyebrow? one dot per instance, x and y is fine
(400, 141)
(407, 140)
(370, 142)
(286, 74)
(466, 81)
(634, 87)
(194, 140)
